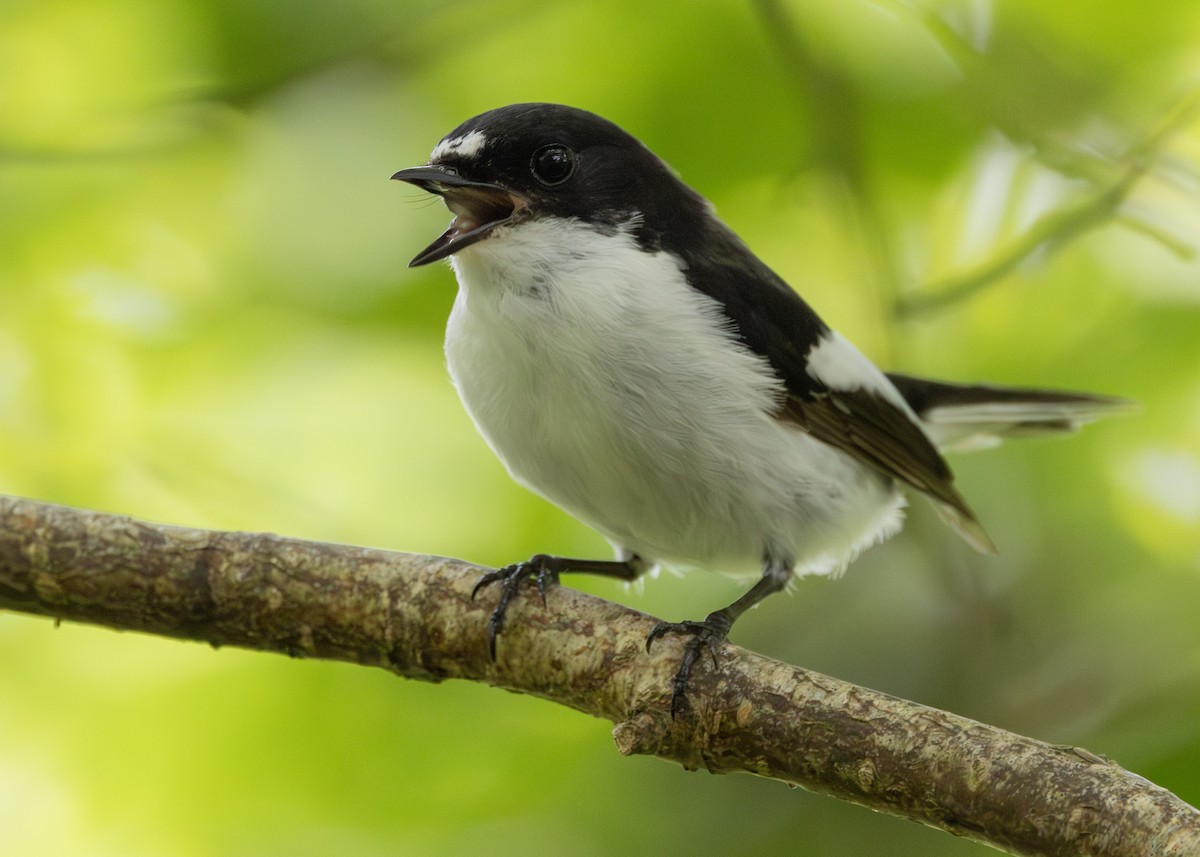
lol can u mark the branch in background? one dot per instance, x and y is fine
(828, 96)
(1055, 229)
(414, 616)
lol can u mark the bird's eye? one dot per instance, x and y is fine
(553, 164)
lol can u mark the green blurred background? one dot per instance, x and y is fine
(206, 319)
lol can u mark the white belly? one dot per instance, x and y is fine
(615, 394)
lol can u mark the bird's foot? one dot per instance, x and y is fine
(542, 569)
(706, 635)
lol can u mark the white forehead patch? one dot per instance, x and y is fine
(467, 146)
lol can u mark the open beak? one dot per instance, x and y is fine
(478, 209)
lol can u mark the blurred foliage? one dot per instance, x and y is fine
(206, 318)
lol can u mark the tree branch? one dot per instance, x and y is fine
(413, 615)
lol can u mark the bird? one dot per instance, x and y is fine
(631, 360)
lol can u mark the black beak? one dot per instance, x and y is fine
(479, 208)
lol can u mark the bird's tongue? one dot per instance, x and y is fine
(478, 207)
(475, 206)
(477, 210)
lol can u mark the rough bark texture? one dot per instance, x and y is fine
(414, 616)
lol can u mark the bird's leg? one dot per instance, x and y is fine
(714, 629)
(544, 570)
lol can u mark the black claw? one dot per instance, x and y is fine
(679, 700)
(657, 631)
(544, 571)
(543, 580)
(488, 579)
(709, 634)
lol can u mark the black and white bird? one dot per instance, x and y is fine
(630, 359)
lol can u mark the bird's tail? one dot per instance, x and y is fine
(961, 417)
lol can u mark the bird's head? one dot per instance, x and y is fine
(527, 161)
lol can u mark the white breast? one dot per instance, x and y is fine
(611, 387)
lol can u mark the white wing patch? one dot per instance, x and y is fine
(837, 364)
(469, 145)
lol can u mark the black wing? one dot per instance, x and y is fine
(833, 392)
